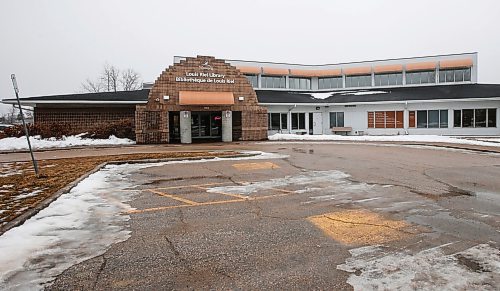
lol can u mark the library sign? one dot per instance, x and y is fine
(204, 77)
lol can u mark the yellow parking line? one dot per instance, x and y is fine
(135, 211)
(190, 202)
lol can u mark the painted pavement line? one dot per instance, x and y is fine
(286, 193)
(190, 202)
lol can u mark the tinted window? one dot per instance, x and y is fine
(443, 117)
(480, 119)
(433, 119)
(457, 118)
(492, 117)
(421, 119)
(467, 118)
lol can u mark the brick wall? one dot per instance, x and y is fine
(82, 119)
(253, 116)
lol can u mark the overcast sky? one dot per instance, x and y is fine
(54, 45)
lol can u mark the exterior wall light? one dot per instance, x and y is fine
(166, 97)
(241, 98)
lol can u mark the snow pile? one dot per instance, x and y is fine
(382, 138)
(78, 226)
(20, 143)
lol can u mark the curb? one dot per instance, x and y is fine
(66, 189)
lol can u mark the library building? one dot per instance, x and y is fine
(207, 99)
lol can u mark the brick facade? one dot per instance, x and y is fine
(83, 119)
(152, 119)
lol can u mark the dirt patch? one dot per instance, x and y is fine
(361, 227)
(20, 190)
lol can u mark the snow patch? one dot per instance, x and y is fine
(20, 143)
(476, 268)
(323, 95)
(360, 93)
(381, 138)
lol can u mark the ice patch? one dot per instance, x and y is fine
(476, 268)
(311, 177)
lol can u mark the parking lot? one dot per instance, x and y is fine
(308, 216)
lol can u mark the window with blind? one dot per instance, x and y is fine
(385, 119)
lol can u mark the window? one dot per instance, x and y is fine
(388, 79)
(358, 81)
(468, 118)
(300, 83)
(277, 121)
(254, 80)
(330, 82)
(492, 117)
(455, 75)
(336, 119)
(443, 118)
(385, 119)
(273, 82)
(298, 121)
(423, 77)
(475, 117)
(457, 118)
(421, 119)
(428, 119)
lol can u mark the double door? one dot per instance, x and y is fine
(206, 124)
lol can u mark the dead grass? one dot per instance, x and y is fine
(20, 190)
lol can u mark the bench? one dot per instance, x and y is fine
(342, 130)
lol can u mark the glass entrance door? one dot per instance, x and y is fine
(206, 125)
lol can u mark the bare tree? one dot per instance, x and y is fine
(92, 86)
(113, 79)
(130, 80)
(110, 76)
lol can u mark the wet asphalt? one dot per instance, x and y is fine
(183, 237)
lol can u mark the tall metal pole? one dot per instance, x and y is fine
(16, 89)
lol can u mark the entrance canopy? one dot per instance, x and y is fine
(205, 98)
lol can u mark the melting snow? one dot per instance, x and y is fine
(20, 143)
(79, 225)
(429, 269)
(381, 138)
